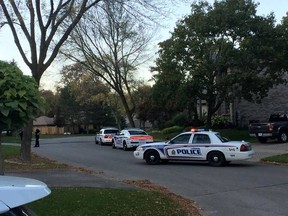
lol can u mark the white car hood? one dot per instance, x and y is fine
(17, 191)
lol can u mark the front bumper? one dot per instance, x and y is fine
(139, 154)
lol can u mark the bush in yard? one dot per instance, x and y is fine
(219, 121)
(174, 129)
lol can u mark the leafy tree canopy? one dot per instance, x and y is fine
(20, 100)
(226, 51)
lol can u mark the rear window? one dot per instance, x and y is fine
(222, 138)
(137, 132)
(111, 131)
(278, 117)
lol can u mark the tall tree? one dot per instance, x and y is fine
(82, 100)
(226, 50)
(20, 101)
(111, 43)
(39, 22)
(50, 102)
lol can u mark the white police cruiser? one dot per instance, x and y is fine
(198, 145)
(131, 138)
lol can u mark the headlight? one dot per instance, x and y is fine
(139, 148)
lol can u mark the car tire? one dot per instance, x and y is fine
(262, 139)
(282, 137)
(96, 142)
(152, 158)
(113, 145)
(125, 148)
(101, 143)
(216, 159)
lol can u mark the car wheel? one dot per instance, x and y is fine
(125, 148)
(216, 159)
(113, 144)
(96, 142)
(152, 158)
(262, 139)
(282, 137)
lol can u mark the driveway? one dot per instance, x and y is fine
(268, 149)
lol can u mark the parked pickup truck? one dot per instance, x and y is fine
(276, 128)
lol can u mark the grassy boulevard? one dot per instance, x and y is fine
(148, 200)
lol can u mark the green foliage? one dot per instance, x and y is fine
(220, 122)
(20, 100)
(98, 201)
(224, 51)
(173, 129)
(84, 100)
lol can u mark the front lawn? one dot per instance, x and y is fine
(283, 158)
(79, 201)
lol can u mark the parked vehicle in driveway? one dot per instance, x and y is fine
(131, 138)
(16, 192)
(275, 128)
(199, 145)
(105, 136)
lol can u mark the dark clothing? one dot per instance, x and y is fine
(21, 134)
(37, 136)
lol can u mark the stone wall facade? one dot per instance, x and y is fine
(277, 100)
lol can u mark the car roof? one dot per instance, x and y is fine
(17, 191)
(109, 128)
(134, 129)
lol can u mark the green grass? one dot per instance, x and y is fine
(283, 158)
(97, 201)
(237, 134)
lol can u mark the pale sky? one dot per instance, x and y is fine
(9, 50)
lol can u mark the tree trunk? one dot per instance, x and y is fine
(127, 110)
(1, 156)
(25, 152)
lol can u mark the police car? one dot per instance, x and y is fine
(131, 138)
(198, 145)
(105, 136)
(16, 192)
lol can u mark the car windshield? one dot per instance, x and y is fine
(111, 131)
(137, 132)
(222, 138)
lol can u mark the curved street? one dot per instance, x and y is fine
(242, 188)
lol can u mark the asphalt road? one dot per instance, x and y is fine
(242, 188)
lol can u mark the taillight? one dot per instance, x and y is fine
(270, 127)
(107, 136)
(244, 147)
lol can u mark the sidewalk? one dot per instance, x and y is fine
(71, 178)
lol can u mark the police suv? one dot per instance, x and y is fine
(198, 145)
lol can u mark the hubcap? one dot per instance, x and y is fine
(215, 159)
(152, 157)
(284, 137)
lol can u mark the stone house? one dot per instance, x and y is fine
(276, 101)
